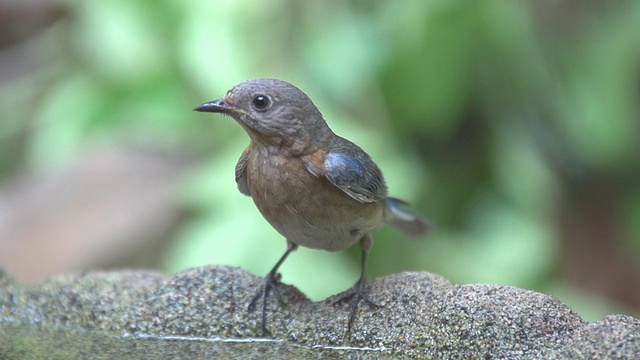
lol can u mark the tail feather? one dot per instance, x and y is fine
(400, 218)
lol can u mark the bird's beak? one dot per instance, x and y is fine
(216, 106)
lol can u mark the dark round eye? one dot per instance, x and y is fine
(261, 102)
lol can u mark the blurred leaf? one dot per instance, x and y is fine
(500, 246)
(520, 170)
(121, 41)
(427, 80)
(603, 98)
(63, 118)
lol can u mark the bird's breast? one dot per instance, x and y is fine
(307, 210)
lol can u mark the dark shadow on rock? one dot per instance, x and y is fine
(202, 313)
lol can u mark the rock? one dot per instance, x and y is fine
(202, 313)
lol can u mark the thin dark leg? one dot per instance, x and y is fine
(359, 292)
(270, 284)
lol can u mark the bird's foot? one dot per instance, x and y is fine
(356, 294)
(269, 284)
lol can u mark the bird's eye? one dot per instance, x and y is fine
(261, 102)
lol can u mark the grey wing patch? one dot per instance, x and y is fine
(241, 176)
(357, 175)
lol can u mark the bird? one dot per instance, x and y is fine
(317, 189)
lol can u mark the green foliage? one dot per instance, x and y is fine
(479, 112)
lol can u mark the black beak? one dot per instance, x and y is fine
(216, 106)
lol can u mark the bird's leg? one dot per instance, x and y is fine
(359, 292)
(270, 284)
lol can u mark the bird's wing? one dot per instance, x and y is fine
(241, 175)
(351, 170)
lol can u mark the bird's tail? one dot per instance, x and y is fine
(396, 215)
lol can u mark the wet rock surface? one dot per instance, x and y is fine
(202, 313)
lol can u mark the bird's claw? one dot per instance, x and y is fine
(356, 294)
(269, 284)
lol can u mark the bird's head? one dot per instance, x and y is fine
(273, 112)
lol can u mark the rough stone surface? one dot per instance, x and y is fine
(202, 313)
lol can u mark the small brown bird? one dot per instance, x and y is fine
(314, 187)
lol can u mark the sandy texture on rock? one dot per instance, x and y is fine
(203, 312)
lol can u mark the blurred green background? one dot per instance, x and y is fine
(513, 125)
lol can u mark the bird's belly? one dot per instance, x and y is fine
(309, 211)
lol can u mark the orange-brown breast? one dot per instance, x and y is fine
(305, 208)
